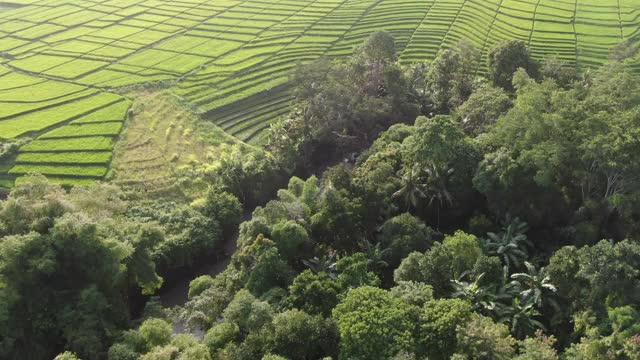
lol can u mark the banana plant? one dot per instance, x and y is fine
(535, 285)
(510, 244)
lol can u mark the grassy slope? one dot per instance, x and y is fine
(159, 141)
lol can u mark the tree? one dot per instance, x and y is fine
(482, 339)
(248, 313)
(373, 324)
(450, 76)
(483, 108)
(224, 208)
(67, 270)
(623, 51)
(200, 284)
(155, 332)
(298, 335)
(289, 236)
(67, 355)
(446, 160)
(354, 271)
(337, 220)
(540, 347)
(439, 320)
(376, 255)
(404, 234)
(412, 292)
(345, 104)
(314, 293)
(220, 335)
(507, 57)
(412, 190)
(264, 266)
(554, 68)
(379, 47)
(445, 261)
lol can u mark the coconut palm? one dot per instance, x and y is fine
(535, 285)
(437, 186)
(412, 188)
(510, 244)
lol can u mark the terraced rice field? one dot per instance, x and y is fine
(63, 62)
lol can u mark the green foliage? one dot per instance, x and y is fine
(480, 338)
(446, 260)
(507, 57)
(247, 312)
(314, 293)
(188, 233)
(379, 47)
(445, 160)
(224, 208)
(483, 108)
(269, 271)
(298, 335)
(404, 234)
(220, 335)
(373, 324)
(289, 236)
(155, 332)
(412, 292)
(559, 153)
(510, 244)
(354, 271)
(450, 76)
(204, 309)
(439, 320)
(592, 276)
(540, 347)
(337, 220)
(66, 265)
(66, 356)
(200, 284)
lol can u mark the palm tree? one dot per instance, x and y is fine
(510, 244)
(437, 186)
(411, 190)
(535, 285)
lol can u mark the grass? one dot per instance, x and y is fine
(80, 130)
(62, 170)
(40, 120)
(161, 137)
(78, 157)
(75, 144)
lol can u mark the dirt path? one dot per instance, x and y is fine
(176, 293)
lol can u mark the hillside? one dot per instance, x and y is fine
(63, 64)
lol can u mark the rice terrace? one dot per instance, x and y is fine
(67, 67)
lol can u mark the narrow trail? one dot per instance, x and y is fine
(176, 293)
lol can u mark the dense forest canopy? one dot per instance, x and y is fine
(398, 212)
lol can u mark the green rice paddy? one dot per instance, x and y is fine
(64, 62)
